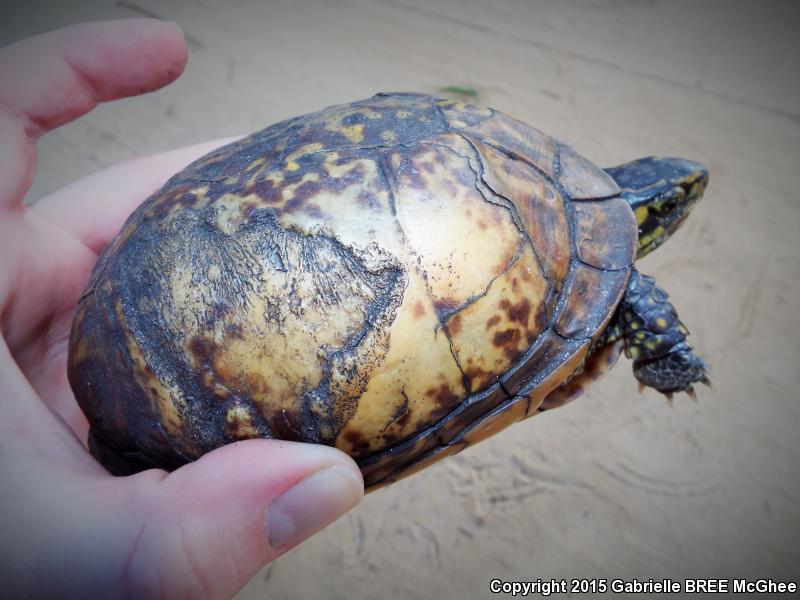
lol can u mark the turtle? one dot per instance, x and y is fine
(399, 277)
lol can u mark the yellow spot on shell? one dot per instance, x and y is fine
(287, 193)
(240, 422)
(634, 352)
(641, 214)
(402, 114)
(650, 346)
(388, 135)
(255, 164)
(458, 123)
(354, 133)
(640, 335)
(291, 160)
(661, 323)
(370, 114)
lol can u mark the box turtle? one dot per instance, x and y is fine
(398, 277)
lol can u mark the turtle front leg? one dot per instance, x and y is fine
(655, 339)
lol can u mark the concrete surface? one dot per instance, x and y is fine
(615, 484)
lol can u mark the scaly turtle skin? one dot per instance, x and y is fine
(398, 277)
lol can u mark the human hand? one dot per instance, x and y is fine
(69, 528)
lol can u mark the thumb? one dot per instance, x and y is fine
(214, 523)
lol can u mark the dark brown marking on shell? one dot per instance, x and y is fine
(519, 312)
(358, 441)
(492, 321)
(475, 373)
(508, 339)
(287, 425)
(606, 233)
(203, 349)
(454, 324)
(419, 309)
(444, 396)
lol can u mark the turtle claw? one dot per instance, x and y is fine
(706, 382)
(642, 387)
(691, 393)
(668, 396)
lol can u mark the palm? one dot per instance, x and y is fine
(38, 336)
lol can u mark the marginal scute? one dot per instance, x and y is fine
(451, 426)
(549, 351)
(605, 233)
(512, 410)
(379, 466)
(426, 460)
(589, 300)
(582, 179)
(596, 366)
(541, 386)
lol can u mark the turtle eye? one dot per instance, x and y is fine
(669, 205)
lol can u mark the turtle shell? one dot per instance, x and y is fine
(397, 277)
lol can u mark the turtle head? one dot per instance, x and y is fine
(662, 193)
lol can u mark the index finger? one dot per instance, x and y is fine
(51, 79)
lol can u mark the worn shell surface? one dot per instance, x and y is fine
(397, 277)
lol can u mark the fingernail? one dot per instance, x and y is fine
(177, 26)
(312, 504)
